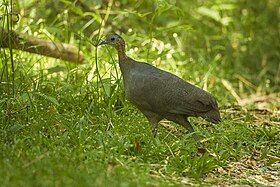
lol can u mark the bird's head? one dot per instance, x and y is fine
(114, 40)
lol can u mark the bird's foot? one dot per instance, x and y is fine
(154, 132)
(201, 148)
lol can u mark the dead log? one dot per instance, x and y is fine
(40, 46)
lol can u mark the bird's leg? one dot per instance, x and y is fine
(153, 120)
(189, 127)
(153, 126)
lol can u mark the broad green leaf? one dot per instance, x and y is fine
(57, 68)
(77, 11)
(49, 98)
(66, 2)
(141, 15)
(95, 16)
(214, 14)
(162, 6)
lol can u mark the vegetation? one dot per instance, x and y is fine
(66, 124)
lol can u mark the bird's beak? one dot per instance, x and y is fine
(103, 42)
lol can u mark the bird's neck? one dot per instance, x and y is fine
(121, 53)
(122, 56)
(124, 61)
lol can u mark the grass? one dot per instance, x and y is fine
(58, 135)
(63, 124)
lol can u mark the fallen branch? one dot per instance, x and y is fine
(40, 46)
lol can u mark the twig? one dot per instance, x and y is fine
(40, 46)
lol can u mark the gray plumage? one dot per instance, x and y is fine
(159, 94)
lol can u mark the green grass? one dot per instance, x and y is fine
(64, 138)
(63, 124)
(55, 151)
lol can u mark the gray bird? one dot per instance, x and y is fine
(159, 94)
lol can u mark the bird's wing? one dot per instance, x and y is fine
(191, 103)
(162, 92)
(171, 94)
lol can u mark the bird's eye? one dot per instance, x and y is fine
(112, 39)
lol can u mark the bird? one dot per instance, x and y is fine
(159, 94)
